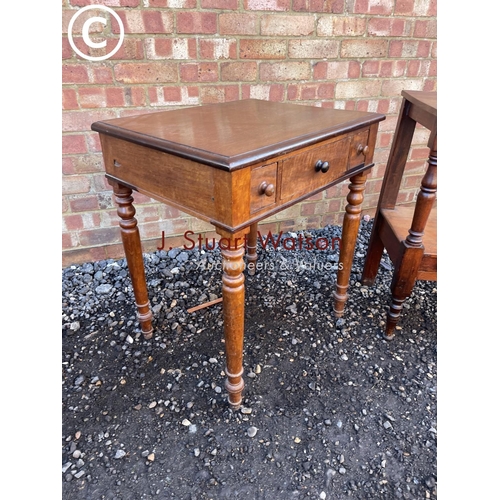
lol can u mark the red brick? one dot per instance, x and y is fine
(334, 6)
(65, 204)
(131, 49)
(74, 144)
(168, 212)
(295, 70)
(313, 49)
(92, 97)
(359, 88)
(69, 240)
(219, 4)
(425, 29)
(218, 93)
(383, 7)
(170, 48)
(238, 24)
(336, 70)
(83, 204)
(238, 71)
(197, 22)
(146, 72)
(384, 26)
(100, 236)
(100, 74)
(93, 142)
(69, 100)
(74, 73)
(75, 121)
(78, 23)
(392, 69)
(218, 48)
(134, 96)
(363, 48)
(100, 183)
(67, 50)
(91, 220)
(267, 48)
(173, 4)
(335, 205)
(144, 21)
(431, 8)
(341, 26)
(72, 222)
(275, 5)
(171, 227)
(370, 68)
(419, 8)
(430, 85)
(411, 181)
(172, 93)
(83, 164)
(199, 72)
(383, 106)
(418, 155)
(311, 91)
(75, 184)
(409, 48)
(287, 25)
(274, 92)
(161, 96)
(115, 97)
(403, 7)
(393, 87)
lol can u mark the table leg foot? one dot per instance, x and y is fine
(133, 253)
(350, 229)
(233, 301)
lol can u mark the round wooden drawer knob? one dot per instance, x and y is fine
(322, 165)
(267, 189)
(362, 149)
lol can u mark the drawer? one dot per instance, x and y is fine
(263, 183)
(307, 171)
(160, 175)
(359, 148)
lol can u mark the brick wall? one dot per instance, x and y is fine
(345, 54)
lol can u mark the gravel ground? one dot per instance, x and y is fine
(330, 409)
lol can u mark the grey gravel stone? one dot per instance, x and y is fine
(104, 289)
(252, 431)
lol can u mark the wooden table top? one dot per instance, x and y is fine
(235, 134)
(426, 100)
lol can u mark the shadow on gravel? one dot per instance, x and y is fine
(330, 411)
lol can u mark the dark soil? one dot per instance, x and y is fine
(337, 411)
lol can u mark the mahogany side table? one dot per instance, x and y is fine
(234, 164)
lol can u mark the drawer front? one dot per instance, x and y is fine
(359, 148)
(263, 187)
(157, 174)
(306, 172)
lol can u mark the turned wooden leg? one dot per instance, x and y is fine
(133, 253)
(252, 249)
(233, 301)
(407, 267)
(350, 228)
